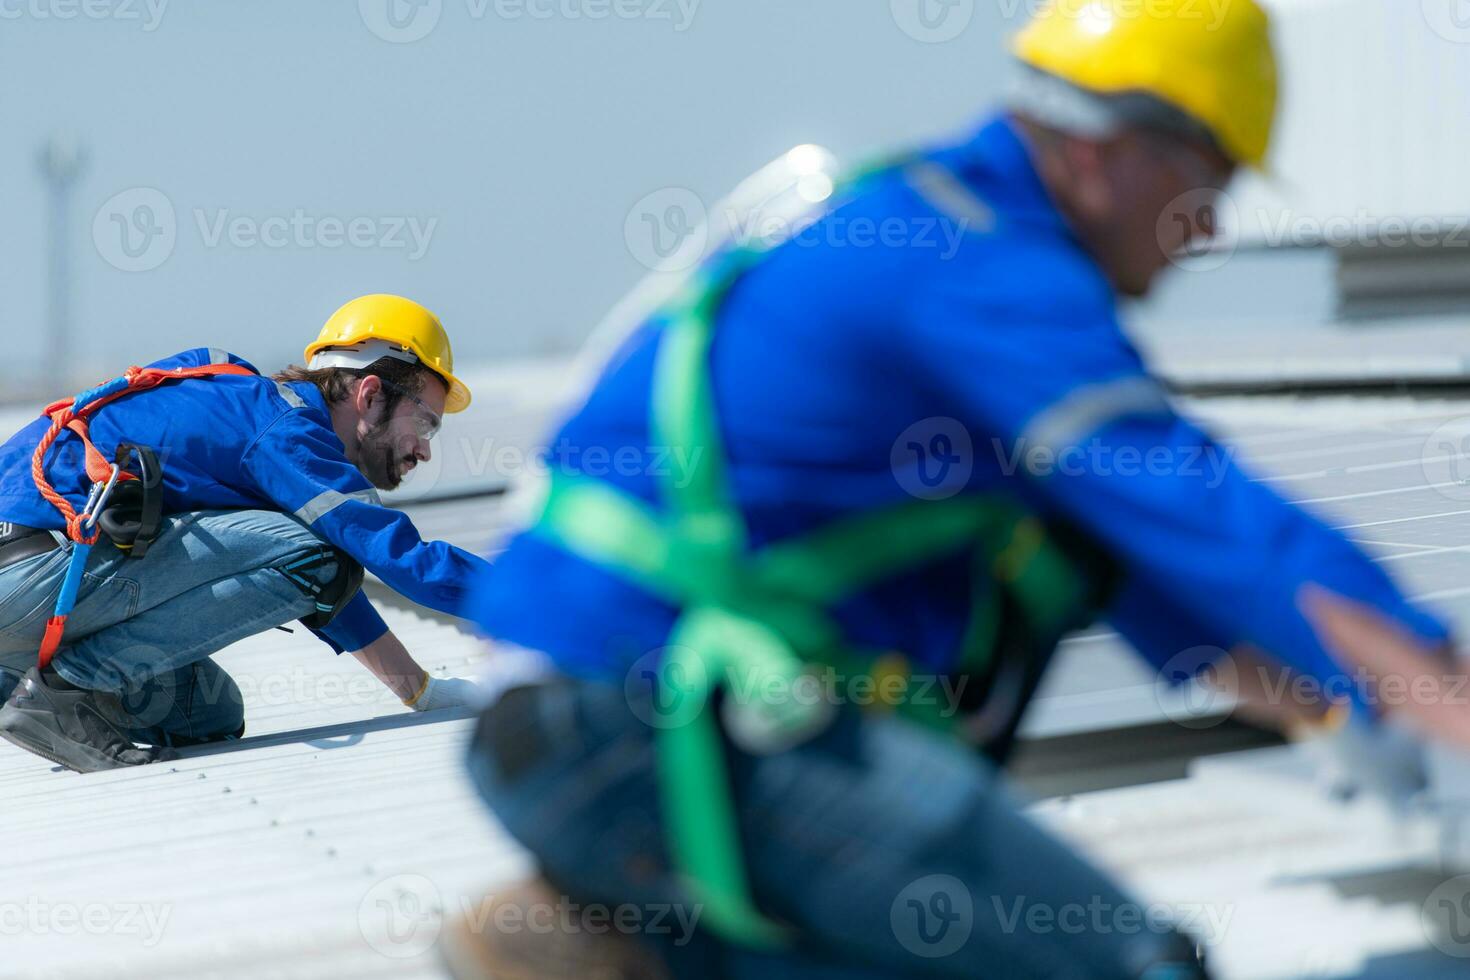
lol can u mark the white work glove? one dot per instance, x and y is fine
(1385, 760)
(446, 692)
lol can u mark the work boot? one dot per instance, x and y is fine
(66, 724)
(492, 952)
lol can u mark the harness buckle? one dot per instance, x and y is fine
(774, 722)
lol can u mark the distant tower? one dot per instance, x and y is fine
(62, 160)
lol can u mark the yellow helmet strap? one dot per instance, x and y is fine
(359, 356)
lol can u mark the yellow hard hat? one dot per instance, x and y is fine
(381, 325)
(1214, 64)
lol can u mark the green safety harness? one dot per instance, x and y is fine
(760, 619)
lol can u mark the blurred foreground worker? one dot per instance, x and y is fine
(877, 481)
(153, 521)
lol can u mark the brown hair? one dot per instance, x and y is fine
(337, 384)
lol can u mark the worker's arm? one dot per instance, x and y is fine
(359, 629)
(1093, 439)
(297, 463)
(1180, 647)
(391, 663)
(357, 625)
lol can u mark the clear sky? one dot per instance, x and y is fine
(488, 168)
(251, 165)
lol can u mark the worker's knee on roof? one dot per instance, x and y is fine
(197, 703)
(210, 707)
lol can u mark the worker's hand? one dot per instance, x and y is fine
(446, 692)
(1432, 679)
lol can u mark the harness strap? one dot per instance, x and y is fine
(72, 414)
(751, 617)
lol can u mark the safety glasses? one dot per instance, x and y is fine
(1199, 167)
(425, 420)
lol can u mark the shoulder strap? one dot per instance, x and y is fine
(72, 414)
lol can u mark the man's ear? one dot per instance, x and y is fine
(369, 395)
(1087, 169)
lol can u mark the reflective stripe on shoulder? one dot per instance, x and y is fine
(292, 399)
(329, 500)
(1089, 408)
(947, 194)
(217, 356)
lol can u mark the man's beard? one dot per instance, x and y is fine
(378, 460)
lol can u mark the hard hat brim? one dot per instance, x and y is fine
(459, 396)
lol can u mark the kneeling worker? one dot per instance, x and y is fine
(253, 504)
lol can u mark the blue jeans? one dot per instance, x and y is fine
(892, 851)
(143, 630)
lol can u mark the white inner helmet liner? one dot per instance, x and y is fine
(1057, 103)
(359, 355)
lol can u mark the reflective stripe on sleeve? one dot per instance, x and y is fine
(947, 194)
(1090, 407)
(292, 399)
(329, 500)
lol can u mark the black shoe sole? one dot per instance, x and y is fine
(20, 730)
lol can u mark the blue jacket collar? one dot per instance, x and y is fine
(310, 394)
(997, 162)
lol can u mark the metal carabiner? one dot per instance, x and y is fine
(97, 499)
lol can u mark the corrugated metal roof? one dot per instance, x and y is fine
(329, 842)
(266, 860)
(1430, 349)
(1277, 877)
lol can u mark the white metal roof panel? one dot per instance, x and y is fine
(328, 846)
(267, 860)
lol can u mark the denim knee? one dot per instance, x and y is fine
(197, 703)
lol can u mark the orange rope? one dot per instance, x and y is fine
(63, 416)
(73, 520)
